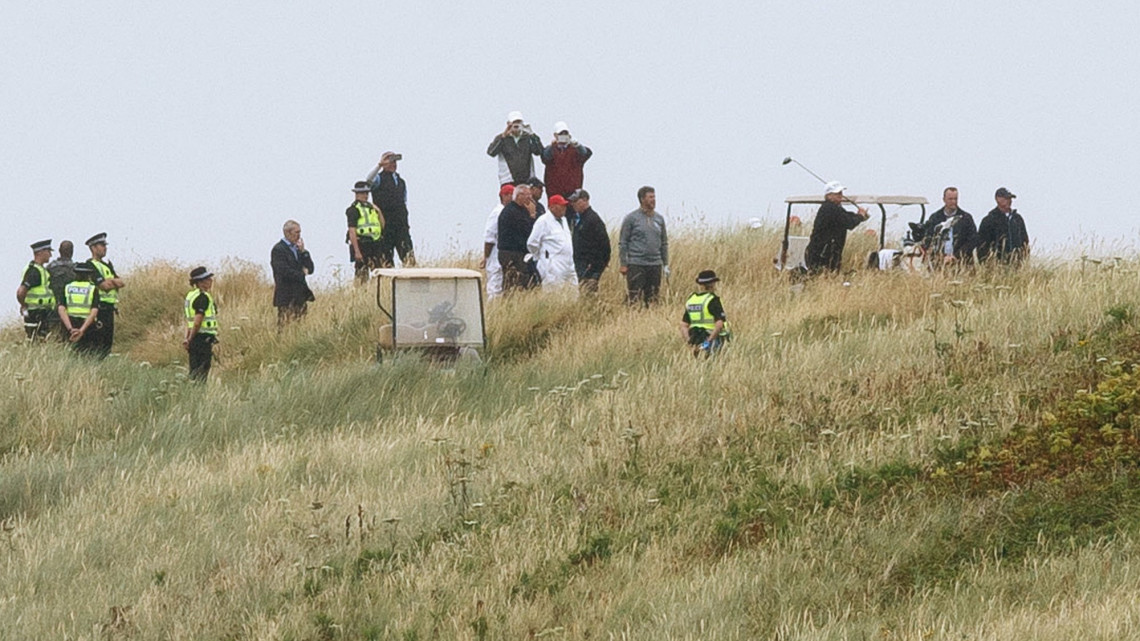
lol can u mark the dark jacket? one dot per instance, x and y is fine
(289, 286)
(829, 236)
(391, 198)
(516, 155)
(564, 167)
(591, 240)
(515, 225)
(1001, 238)
(962, 230)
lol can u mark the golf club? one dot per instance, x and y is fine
(789, 159)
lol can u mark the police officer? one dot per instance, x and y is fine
(37, 302)
(109, 284)
(201, 323)
(365, 225)
(703, 324)
(79, 310)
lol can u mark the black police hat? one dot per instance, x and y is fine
(361, 187)
(200, 273)
(84, 268)
(706, 277)
(42, 245)
(97, 238)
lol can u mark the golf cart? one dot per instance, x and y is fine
(436, 312)
(794, 246)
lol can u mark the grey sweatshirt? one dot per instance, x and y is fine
(643, 240)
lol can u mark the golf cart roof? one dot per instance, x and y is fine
(863, 199)
(428, 272)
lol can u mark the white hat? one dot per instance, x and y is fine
(560, 127)
(833, 187)
(514, 115)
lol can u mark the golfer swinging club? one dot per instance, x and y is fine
(829, 232)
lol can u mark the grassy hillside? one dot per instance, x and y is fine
(952, 457)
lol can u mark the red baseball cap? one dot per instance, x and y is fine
(506, 190)
(557, 199)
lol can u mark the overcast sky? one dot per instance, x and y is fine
(192, 130)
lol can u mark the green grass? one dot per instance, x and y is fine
(902, 458)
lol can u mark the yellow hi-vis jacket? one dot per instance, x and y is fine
(40, 296)
(697, 307)
(368, 222)
(209, 319)
(80, 298)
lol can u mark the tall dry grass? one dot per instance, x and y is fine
(589, 479)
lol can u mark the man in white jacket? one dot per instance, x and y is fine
(490, 248)
(552, 245)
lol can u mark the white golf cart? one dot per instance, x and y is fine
(793, 247)
(437, 312)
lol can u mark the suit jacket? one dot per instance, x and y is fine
(964, 231)
(289, 286)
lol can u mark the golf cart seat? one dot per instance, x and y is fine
(436, 311)
(797, 248)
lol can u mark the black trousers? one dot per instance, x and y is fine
(643, 282)
(371, 255)
(397, 240)
(39, 324)
(288, 313)
(104, 337)
(518, 274)
(87, 344)
(201, 352)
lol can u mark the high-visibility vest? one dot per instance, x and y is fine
(40, 296)
(80, 298)
(110, 296)
(697, 307)
(209, 319)
(368, 221)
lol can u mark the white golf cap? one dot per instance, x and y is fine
(833, 187)
(560, 127)
(514, 115)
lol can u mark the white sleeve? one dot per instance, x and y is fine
(535, 241)
(491, 229)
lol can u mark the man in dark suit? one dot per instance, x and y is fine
(291, 265)
(950, 232)
(1001, 235)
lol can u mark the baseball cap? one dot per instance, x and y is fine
(560, 127)
(1002, 192)
(506, 190)
(514, 115)
(833, 187)
(557, 199)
